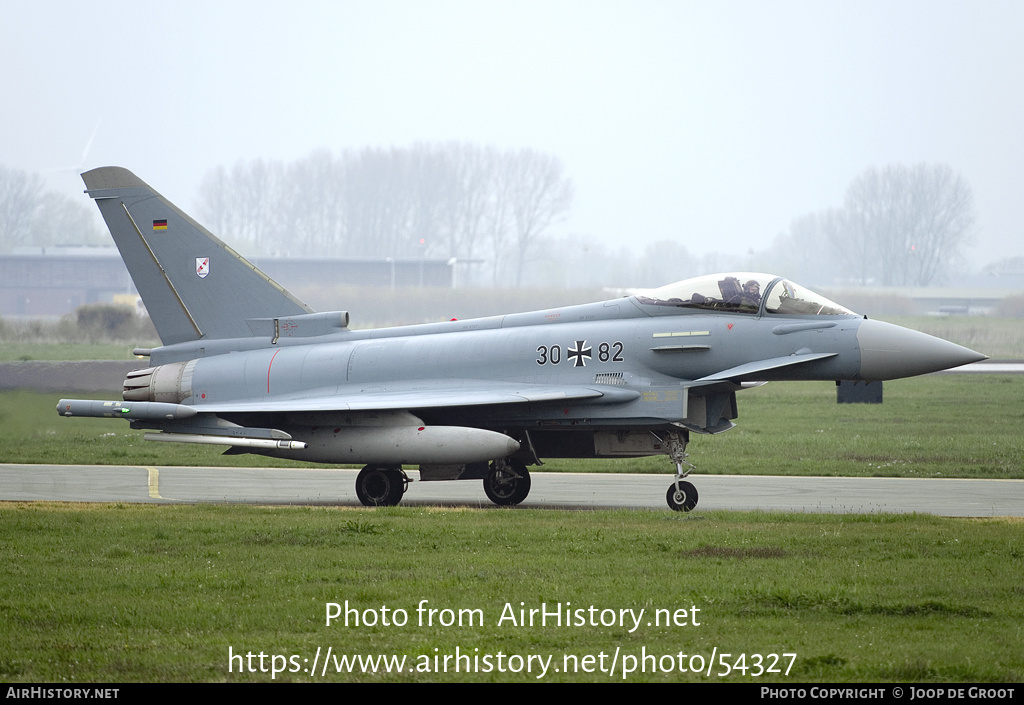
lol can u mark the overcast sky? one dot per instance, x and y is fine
(711, 123)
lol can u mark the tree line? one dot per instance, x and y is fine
(898, 225)
(440, 200)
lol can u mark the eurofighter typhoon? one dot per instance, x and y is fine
(247, 365)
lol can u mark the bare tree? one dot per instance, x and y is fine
(258, 189)
(472, 169)
(60, 219)
(905, 225)
(378, 202)
(313, 213)
(458, 187)
(245, 203)
(213, 207)
(805, 252)
(501, 188)
(539, 195)
(30, 215)
(942, 209)
(434, 191)
(664, 262)
(20, 192)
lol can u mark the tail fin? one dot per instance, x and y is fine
(193, 285)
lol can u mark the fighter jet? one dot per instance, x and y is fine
(246, 365)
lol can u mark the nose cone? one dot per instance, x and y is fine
(888, 351)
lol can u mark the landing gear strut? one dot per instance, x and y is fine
(507, 482)
(381, 485)
(681, 496)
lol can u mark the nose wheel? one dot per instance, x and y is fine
(681, 496)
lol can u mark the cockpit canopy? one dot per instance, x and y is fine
(744, 292)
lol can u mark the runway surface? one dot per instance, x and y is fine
(103, 483)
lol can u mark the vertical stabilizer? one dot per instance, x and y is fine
(193, 285)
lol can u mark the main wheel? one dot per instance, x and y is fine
(378, 486)
(507, 482)
(682, 500)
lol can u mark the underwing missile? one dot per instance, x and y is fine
(133, 411)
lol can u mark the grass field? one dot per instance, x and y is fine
(15, 351)
(165, 593)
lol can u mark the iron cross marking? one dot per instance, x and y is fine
(579, 353)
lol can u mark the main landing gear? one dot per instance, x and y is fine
(507, 482)
(681, 496)
(381, 485)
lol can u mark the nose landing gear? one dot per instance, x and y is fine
(681, 496)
